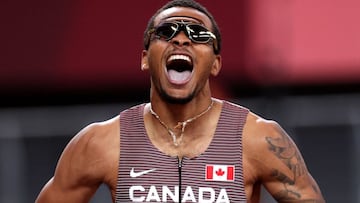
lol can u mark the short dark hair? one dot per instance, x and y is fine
(187, 4)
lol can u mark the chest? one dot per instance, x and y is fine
(215, 174)
(155, 177)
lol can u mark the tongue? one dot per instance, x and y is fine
(179, 77)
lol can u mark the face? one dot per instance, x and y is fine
(180, 68)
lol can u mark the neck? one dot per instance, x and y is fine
(180, 124)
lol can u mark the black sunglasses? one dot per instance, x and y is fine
(195, 32)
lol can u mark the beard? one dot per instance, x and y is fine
(171, 99)
(164, 95)
(175, 100)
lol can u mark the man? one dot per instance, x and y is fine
(183, 146)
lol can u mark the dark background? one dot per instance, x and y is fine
(64, 64)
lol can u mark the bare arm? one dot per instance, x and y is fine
(81, 169)
(280, 166)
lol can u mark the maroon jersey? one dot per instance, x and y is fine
(147, 175)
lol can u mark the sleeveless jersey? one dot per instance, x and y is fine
(147, 175)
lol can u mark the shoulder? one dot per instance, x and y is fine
(258, 127)
(97, 134)
(264, 144)
(260, 133)
(92, 151)
(88, 160)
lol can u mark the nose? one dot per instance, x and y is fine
(181, 39)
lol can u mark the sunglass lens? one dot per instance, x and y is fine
(199, 33)
(166, 30)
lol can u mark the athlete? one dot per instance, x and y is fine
(184, 145)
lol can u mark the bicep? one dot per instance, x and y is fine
(53, 191)
(76, 177)
(286, 176)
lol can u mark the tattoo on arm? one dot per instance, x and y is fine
(286, 151)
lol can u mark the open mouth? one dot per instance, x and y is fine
(179, 68)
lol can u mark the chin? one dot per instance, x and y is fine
(176, 100)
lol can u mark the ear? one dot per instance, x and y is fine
(144, 61)
(216, 66)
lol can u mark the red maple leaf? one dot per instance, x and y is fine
(220, 172)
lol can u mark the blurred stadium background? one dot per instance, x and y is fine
(64, 64)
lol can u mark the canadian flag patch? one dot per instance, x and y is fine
(220, 172)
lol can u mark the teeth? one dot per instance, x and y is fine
(179, 57)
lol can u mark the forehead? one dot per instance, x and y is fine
(183, 13)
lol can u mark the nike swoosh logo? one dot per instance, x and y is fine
(134, 174)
